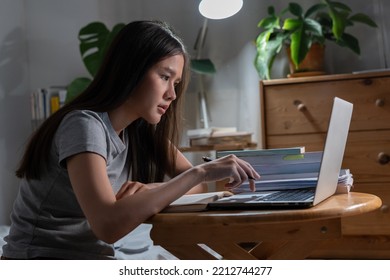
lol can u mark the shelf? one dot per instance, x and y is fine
(219, 147)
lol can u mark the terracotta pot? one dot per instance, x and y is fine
(313, 63)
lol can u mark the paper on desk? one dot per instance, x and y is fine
(297, 181)
(280, 172)
(345, 182)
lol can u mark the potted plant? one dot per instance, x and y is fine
(327, 20)
(94, 39)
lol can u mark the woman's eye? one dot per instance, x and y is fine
(165, 77)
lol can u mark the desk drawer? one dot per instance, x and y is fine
(361, 155)
(306, 107)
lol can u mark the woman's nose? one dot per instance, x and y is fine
(171, 93)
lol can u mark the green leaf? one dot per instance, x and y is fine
(313, 9)
(92, 41)
(300, 45)
(339, 5)
(267, 49)
(77, 86)
(338, 23)
(95, 38)
(363, 19)
(269, 22)
(292, 24)
(202, 66)
(271, 10)
(91, 34)
(339, 13)
(313, 27)
(302, 32)
(295, 9)
(351, 42)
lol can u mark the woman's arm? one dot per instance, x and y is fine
(111, 219)
(183, 164)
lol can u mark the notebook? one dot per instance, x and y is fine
(330, 166)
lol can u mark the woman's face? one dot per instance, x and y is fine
(154, 94)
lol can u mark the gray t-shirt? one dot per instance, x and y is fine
(47, 220)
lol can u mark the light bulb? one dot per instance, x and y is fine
(219, 9)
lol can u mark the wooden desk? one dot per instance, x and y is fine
(277, 234)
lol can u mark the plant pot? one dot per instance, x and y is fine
(312, 65)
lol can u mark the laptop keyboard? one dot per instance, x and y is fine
(290, 195)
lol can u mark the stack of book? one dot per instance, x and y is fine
(220, 138)
(289, 167)
(280, 169)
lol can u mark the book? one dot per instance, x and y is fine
(264, 152)
(194, 202)
(281, 169)
(46, 101)
(54, 104)
(225, 138)
(297, 181)
(207, 132)
(286, 164)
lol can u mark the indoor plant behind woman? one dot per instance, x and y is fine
(327, 20)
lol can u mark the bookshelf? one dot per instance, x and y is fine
(44, 102)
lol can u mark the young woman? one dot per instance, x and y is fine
(96, 169)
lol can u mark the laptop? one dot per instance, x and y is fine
(330, 166)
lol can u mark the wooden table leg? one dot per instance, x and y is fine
(231, 251)
(294, 240)
(285, 250)
(264, 249)
(189, 252)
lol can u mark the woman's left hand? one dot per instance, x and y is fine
(130, 188)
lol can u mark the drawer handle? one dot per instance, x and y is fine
(383, 158)
(380, 102)
(300, 106)
(384, 208)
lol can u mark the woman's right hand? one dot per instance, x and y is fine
(232, 167)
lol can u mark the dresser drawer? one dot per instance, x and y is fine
(292, 108)
(361, 154)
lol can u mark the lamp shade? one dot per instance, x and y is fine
(219, 9)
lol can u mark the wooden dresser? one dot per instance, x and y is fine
(295, 112)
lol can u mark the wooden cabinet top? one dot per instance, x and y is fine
(324, 78)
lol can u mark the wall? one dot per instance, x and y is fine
(39, 47)
(14, 102)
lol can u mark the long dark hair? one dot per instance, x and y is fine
(136, 48)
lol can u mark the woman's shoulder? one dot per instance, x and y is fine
(84, 120)
(85, 114)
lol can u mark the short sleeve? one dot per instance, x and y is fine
(81, 131)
